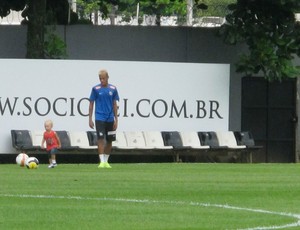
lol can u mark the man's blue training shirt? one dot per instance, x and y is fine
(104, 98)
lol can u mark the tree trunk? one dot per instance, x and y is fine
(35, 29)
(189, 12)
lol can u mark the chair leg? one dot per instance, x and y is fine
(250, 157)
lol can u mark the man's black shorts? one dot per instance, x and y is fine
(105, 130)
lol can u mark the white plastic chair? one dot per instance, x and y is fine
(191, 139)
(120, 142)
(80, 139)
(227, 138)
(37, 137)
(136, 140)
(154, 140)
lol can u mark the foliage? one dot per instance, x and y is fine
(270, 30)
(58, 8)
(37, 14)
(54, 46)
(159, 8)
(128, 8)
(214, 8)
(86, 7)
(7, 5)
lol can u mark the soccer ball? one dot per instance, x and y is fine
(32, 163)
(21, 159)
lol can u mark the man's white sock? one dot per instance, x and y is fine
(102, 158)
(106, 156)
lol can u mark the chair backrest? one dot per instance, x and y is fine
(209, 138)
(190, 138)
(93, 139)
(37, 137)
(120, 141)
(135, 139)
(21, 139)
(79, 138)
(244, 138)
(172, 138)
(226, 138)
(64, 139)
(153, 139)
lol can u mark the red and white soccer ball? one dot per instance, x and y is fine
(21, 159)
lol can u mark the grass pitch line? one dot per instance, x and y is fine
(291, 225)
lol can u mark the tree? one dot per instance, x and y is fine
(41, 43)
(7, 5)
(36, 28)
(127, 8)
(269, 29)
(42, 15)
(164, 8)
(85, 8)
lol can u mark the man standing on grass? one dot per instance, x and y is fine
(105, 97)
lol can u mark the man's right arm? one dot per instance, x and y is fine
(91, 109)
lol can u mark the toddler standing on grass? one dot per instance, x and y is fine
(52, 143)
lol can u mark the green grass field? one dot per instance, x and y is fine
(151, 196)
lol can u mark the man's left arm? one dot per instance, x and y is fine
(115, 105)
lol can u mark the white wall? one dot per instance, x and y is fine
(153, 95)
